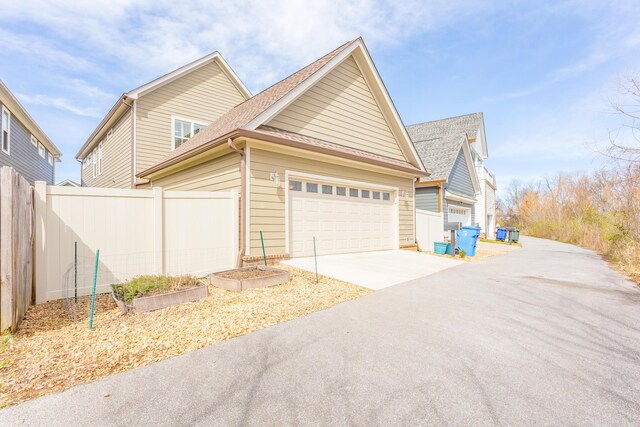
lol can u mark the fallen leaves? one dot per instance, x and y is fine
(51, 352)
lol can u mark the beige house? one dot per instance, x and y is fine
(321, 155)
(147, 123)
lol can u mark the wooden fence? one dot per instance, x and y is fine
(16, 248)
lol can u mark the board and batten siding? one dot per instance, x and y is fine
(23, 156)
(267, 202)
(116, 158)
(202, 95)
(427, 199)
(340, 108)
(460, 178)
(220, 174)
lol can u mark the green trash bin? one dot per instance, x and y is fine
(514, 236)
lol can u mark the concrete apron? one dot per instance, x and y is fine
(375, 270)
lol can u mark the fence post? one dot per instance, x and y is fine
(40, 199)
(158, 231)
(7, 273)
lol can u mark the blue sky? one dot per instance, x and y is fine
(543, 73)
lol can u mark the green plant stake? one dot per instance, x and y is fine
(264, 254)
(93, 294)
(315, 258)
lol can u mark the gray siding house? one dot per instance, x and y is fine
(453, 185)
(23, 145)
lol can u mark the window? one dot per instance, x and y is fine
(100, 159)
(341, 191)
(295, 185)
(50, 158)
(353, 192)
(94, 160)
(6, 130)
(376, 195)
(86, 162)
(365, 194)
(41, 149)
(327, 189)
(386, 196)
(183, 130)
(312, 188)
(110, 134)
(34, 141)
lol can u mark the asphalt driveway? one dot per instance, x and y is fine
(376, 270)
(547, 335)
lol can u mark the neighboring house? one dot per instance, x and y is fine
(319, 155)
(454, 151)
(147, 123)
(23, 145)
(68, 183)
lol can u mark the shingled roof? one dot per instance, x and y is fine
(245, 112)
(468, 124)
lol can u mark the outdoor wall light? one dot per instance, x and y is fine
(275, 178)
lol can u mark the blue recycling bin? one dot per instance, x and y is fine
(468, 239)
(501, 234)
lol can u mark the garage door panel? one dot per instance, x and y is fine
(340, 224)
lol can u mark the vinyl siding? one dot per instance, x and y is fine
(221, 174)
(341, 109)
(427, 199)
(267, 203)
(202, 95)
(116, 158)
(460, 178)
(23, 156)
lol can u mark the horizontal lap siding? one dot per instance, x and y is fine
(427, 199)
(204, 95)
(341, 109)
(116, 158)
(267, 207)
(23, 156)
(221, 174)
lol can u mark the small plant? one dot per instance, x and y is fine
(462, 253)
(145, 285)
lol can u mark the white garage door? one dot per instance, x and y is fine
(459, 214)
(341, 218)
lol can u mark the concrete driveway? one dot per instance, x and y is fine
(546, 335)
(376, 270)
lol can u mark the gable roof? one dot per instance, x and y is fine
(8, 99)
(439, 156)
(252, 114)
(121, 104)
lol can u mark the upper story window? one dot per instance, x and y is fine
(50, 158)
(183, 130)
(86, 162)
(6, 130)
(100, 159)
(41, 150)
(34, 141)
(94, 160)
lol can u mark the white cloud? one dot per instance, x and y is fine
(60, 103)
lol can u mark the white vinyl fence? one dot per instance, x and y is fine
(137, 232)
(429, 229)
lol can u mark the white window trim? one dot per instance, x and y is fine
(343, 182)
(34, 141)
(100, 159)
(8, 150)
(184, 119)
(42, 151)
(94, 160)
(50, 158)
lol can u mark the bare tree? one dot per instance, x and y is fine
(624, 142)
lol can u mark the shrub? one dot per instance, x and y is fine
(145, 285)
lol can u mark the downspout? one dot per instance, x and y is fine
(243, 200)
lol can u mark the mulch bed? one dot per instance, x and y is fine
(247, 274)
(51, 352)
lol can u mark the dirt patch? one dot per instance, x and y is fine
(247, 274)
(52, 353)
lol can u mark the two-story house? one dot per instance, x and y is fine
(23, 144)
(454, 150)
(147, 123)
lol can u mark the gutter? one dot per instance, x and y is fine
(243, 200)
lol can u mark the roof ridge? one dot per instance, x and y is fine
(447, 118)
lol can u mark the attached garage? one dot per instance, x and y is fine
(341, 217)
(459, 214)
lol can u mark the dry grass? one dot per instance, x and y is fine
(51, 353)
